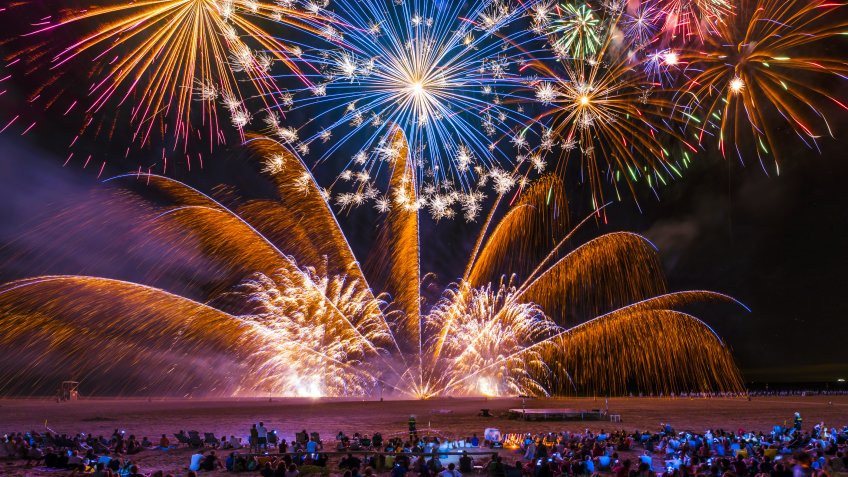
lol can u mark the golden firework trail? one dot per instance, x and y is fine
(158, 74)
(292, 313)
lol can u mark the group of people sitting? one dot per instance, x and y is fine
(78, 452)
(784, 452)
(781, 453)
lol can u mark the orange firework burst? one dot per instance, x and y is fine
(607, 111)
(763, 68)
(154, 72)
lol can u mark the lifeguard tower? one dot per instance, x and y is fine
(68, 391)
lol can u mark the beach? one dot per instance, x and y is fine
(453, 418)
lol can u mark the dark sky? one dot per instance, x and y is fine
(779, 244)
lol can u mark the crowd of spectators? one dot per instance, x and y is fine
(786, 451)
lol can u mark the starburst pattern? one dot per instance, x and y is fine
(157, 74)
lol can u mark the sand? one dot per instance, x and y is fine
(453, 418)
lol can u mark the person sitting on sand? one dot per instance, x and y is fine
(134, 472)
(398, 470)
(239, 464)
(114, 463)
(235, 442)
(196, 459)
(434, 465)
(145, 442)
(349, 462)
(211, 462)
(280, 469)
(100, 470)
(75, 461)
(495, 467)
(164, 442)
(420, 467)
(34, 454)
(133, 446)
(516, 470)
(450, 471)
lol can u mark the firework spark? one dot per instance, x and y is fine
(696, 19)
(445, 76)
(165, 68)
(306, 322)
(605, 107)
(759, 71)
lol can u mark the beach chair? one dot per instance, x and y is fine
(210, 440)
(194, 439)
(182, 439)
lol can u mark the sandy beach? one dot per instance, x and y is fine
(449, 417)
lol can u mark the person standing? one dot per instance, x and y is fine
(466, 463)
(413, 432)
(254, 438)
(262, 433)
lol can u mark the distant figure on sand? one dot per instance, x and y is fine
(254, 438)
(413, 432)
(263, 435)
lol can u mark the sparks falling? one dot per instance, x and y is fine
(292, 312)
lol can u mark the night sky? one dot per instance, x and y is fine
(779, 243)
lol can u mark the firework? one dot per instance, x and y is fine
(159, 73)
(608, 108)
(760, 71)
(695, 19)
(304, 320)
(443, 73)
(642, 22)
(577, 32)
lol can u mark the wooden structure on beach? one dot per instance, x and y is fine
(558, 414)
